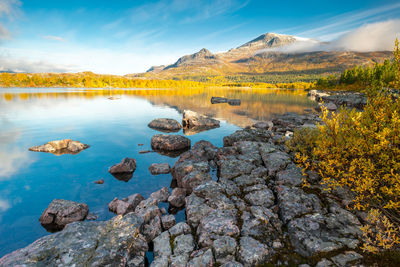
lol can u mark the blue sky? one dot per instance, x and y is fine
(123, 37)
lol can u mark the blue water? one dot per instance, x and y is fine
(29, 181)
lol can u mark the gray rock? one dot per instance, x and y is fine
(252, 252)
(217, 223)
(134, 200)
(160, 262)
(202, 258)
(168, 221)
(294, 202)
(263, 197)
(275, 161)
(223, 247)
(179, 260)
(347, 258)
(208, 189)
(160, 195)
(127, 165)
(229, 187)
(267, 125)
(246, 181)
(120, 207)
(324, 263)
(329, 106)
(177, 197)
(256, 135)
(232, 168)
(61, 212)
(183, 244)
(152, 229)
(148, 212)
(116, 241)
(179, 229)
(161, 168)
(192, 119)
(166, 142)
(193, 179)
(196, 209)
(162, 245)
(314, 233)
(183, 168)
(168, 125)
(291, 176)
(232, 264)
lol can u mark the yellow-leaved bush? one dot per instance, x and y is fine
(360, 151)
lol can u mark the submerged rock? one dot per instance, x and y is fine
(218, 100)
(159, 168)
(193, 119)
(61, 212)
(116, 242)
(165, 125)
(164, 142)
(59, 147)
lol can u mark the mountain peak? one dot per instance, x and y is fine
(269, 40)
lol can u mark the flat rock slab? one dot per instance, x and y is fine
(165, 142)
(165, 125)
(61, 212)
(103, 243)
(59, 147)
(194, 119)
(159, 168)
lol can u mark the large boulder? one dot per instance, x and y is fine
(165, 142)
(127, 165)
(61, 212)
(116, 242)
(126, 205)
(165, 125)
(193, 119)
(65, 146)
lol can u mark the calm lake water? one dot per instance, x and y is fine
(29, 181)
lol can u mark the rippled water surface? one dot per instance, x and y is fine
(29, 181)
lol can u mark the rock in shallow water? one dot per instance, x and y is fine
(165, 125)
(127, 165)
(116, 242)
(159, 168)
(65, 146)
(165, 142)
(61, 212)
(193, 119)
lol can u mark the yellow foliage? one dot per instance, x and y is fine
(359, 151)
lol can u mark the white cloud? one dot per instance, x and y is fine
(9, 9)
(377, 36)
(54, 38)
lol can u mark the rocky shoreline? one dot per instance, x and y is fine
(254, 212)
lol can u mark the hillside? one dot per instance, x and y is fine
(266, 55)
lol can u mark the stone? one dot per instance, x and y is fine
(217, 223)
(134, 200)
(65, 146)
(329, 106)
(264, 125)
(127, 165)
(193, 119)
(193, 179)
(255, 135)
(165, 125)
(232, 168)
(347, 258)
(160, 195)
(183, 244)
(168, 221)
(218, 100)
(196, 209)
(179, 260)
(232, 264)
(202, 258)
(223, 247)
(263, 197)
(148, 212)
(183, 168)
(252, 252)
(291, 176)
(294, 202)
(162, 168)
(177, 197)
(324, 263)
(275, 161)
(179, 229)
(165, 142)
(162, 245)
(117, 241)
(120, 207)
(101, 181)
(160, 262)
(61, 212)
(152, 229)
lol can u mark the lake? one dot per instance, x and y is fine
(29, 181)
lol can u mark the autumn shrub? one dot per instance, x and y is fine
(360, 151)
